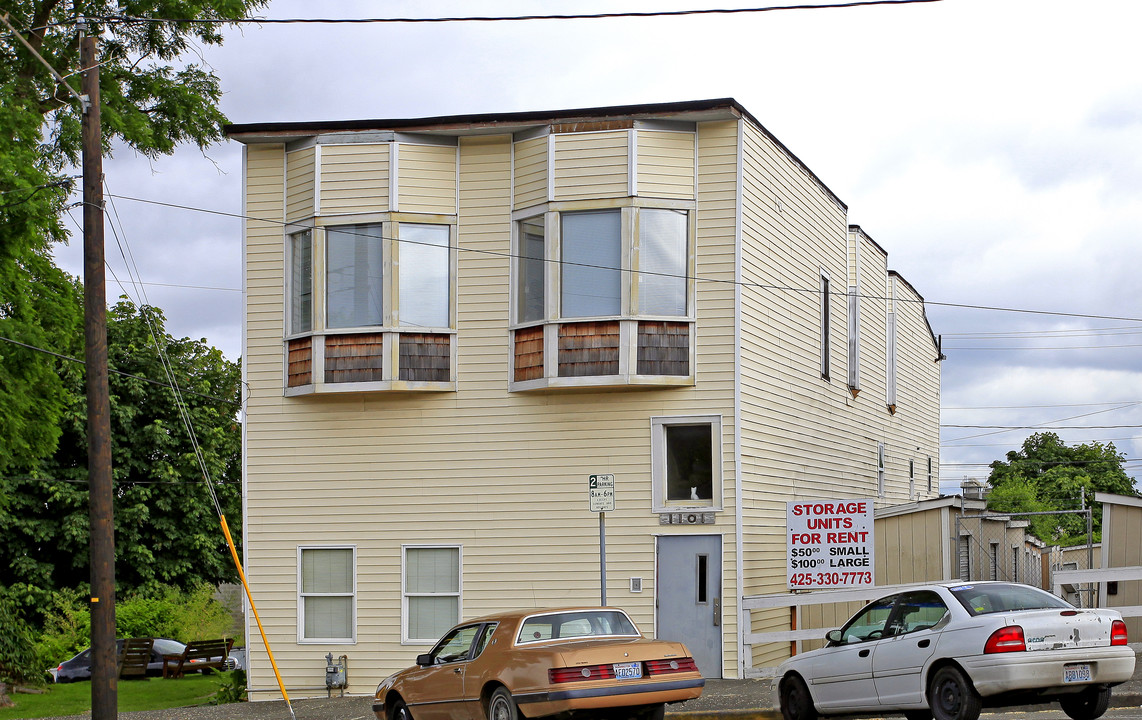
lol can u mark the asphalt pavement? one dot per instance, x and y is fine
(720, 700)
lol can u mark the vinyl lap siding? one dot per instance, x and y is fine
(354, 178)
(300, 190)
(591, 165)
(666, 164)
(792, 443)
(427, 178)
(530, 172)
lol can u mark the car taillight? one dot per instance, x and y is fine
(664, 667)
(578, 674)
(1118, 633)
(1005, 639)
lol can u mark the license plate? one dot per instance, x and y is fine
(628, 671)
(1079, 672)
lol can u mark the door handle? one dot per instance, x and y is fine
(458, 671)
(717, 612)
(924, 643)
(864, 653)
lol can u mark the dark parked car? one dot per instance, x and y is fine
(79, 667)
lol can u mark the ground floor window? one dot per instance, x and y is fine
(327, 594)
(686, 462)
(431, 592)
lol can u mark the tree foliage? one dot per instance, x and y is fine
(151, 101)
(155, 94)
(1048, 475)
(166, 527)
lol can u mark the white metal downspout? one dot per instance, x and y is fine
(738, 475)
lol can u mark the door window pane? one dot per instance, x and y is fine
(424, 261)
(592, 258)
(301, 282)
(354, 276)
(662, 249)
(529, 291)
(689, 464)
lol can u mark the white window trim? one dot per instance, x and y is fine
(658, 427)
(301, 639)
(404, 594)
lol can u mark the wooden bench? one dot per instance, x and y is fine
(198, 655)
(134, 657)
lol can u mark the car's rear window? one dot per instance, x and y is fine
(1005, 597)
(576, 624)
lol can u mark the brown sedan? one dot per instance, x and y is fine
(574, 661)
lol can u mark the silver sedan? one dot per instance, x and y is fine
(948, 650)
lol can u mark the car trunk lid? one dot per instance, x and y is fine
(1056, 629)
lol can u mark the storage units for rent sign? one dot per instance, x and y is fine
(830, 543)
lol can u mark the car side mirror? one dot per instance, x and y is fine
(424, 660)
(834, 637)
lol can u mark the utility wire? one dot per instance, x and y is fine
(113, 370)
(129, 19)
(759, 286)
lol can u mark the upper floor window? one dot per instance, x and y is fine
(686, 462)
(614, 290)
(379, 310)
(826, 322)
(591, 284)
(300, 282)
(354, 278)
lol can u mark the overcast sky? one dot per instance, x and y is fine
(992, 147)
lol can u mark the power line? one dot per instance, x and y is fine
(117, 372)
(1027, 407)
(759, 286)
(130, 19)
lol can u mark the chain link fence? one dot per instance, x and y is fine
(1000, 546)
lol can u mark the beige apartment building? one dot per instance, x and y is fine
(452, 323)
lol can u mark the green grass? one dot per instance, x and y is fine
(150, 694)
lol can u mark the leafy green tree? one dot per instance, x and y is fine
(166, 526)
(151, 101)
(1046, 474)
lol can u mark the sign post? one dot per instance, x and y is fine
(601, 499)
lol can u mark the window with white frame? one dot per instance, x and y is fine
(603, 293)
(354, 277)
(379, 310)
(826, 322)
(300, 282)
(424, 276)
(327, 594)
(591, 284)
(686, 462)
(431, 591)
(532, 269)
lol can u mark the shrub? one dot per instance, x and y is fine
(232, 689)
(18, 660)
(163, 612)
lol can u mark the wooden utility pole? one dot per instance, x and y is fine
(104, 660)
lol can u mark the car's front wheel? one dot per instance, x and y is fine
(501, 706)
(952, 697)
(400, 712)
(1088, 704)
(796, 702)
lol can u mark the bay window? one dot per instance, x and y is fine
(603, 296)
(378, 314)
